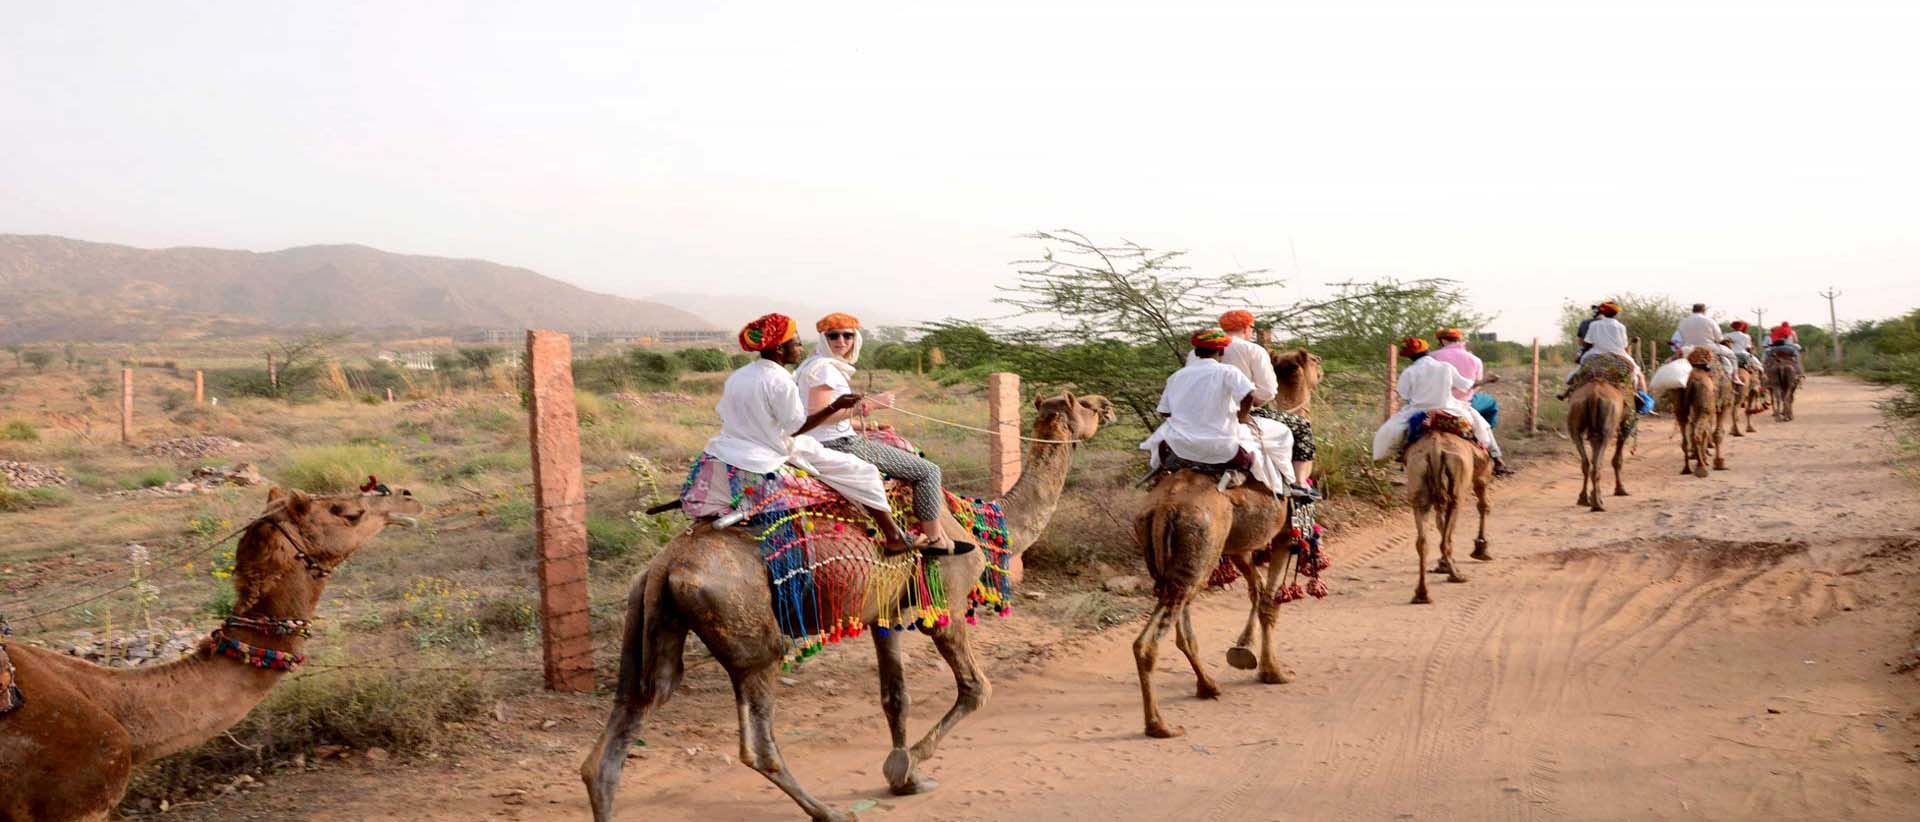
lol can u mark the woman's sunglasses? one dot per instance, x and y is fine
(840, 335)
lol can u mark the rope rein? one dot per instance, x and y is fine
(964, 426)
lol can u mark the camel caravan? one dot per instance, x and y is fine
(811, 526)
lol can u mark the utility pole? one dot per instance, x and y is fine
(1760, 319)
(1833, 322)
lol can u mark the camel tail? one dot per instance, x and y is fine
(1158, 541)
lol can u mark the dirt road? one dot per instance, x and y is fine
(1717, 648)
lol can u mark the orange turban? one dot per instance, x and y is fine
(1739, 325)
(1236, 320)
(1413, 347)
(1212, 339)
(1609, 309)
(1449, 335)
(837, 322)
(768, 332)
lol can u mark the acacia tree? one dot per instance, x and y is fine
(1647, 316)
(1363, 318)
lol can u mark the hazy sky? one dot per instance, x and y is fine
(886, 155)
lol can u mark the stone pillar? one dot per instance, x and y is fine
(1533, 391)
(1003, 445)
(560, 514)
(199, 387)
(389, 395)
(273, 371)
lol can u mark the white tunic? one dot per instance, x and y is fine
(760, 408)
(1739, 342)
(1203, 404)
(1251, 359)
(1428, 384)
(1607, 336)
(817, 371)
(1698, 330)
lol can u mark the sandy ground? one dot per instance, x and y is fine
(1708, 648)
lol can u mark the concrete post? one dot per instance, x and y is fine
(126, 405)
(199, 387)
(389, 395)
(273, 371)
(560, 514)
(1003, 446)
(1533, 392)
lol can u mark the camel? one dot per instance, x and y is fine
(1599, 415)
(1298, 372)
(1695, 411)
(1744, 393)
(69, 750)
(713, 582)
(1783, 381)
(1438, 465)
(1188, 525)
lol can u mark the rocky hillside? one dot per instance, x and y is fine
(53, 288)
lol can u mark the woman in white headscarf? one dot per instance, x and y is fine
(824, 377)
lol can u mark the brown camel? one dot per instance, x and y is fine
(1598, 416)
(68, 751)
(1744, 393)
(1694, 410)
(1438, 465)
(1188, 525)
(1783, 381)
(713, 583)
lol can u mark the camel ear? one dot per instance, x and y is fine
(1069, 397)
(298, 505)
(276, 494)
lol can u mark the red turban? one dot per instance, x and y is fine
(1782, 332)
(1236, 320)
(1413, 346)
(768, 332)
(837, 322)
(1449, 335)
(1739, 325)
(1212, 339)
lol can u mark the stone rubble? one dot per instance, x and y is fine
(191, 447)
(28, 475)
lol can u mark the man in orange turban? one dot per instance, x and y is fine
(1428, 384)
(1207, 408)
(1278, 441)
(764, 425)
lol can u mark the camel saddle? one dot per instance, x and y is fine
(1611, 368)
(1423, 423)
(10, 696)
(1242, 464)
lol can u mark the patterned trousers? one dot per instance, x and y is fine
(1302, 430)
(929, 503)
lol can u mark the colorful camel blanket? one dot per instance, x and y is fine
(10, 696)
(1423, 423)
(1611, 368)
(1297, 548)
(824, 561)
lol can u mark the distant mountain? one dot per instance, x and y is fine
(56, 288)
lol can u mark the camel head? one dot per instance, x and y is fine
(1065, 416)
(1298, 369)
(313, 534)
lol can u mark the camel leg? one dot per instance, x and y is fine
(1241, 654)
(651, 663)
(1145, 650)
(1591, 464)
(1271, 671)
(1619, 461)
(1719, 444)
(903, 779)
(973, 690)
(1420, 547)
(1452, 509)
(1485, 506)
(753, 694)
(1586, 467)
(1184, 639)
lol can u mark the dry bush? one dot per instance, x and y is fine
(333, 468)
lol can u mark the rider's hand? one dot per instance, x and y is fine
(845, 401)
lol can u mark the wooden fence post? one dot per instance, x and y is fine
(199, 387)
(1533, 392)
(273, 371)
(126, 405)
(1003, 445)
(1393, 380)
(560, 514)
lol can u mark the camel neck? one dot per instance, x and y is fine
(169, 708)
(1043, 475)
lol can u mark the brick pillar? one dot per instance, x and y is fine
(560, 514)
(273, 371)
(1003, 446)
(199, 388)
(1393, 382)
(389, 395)
(126, 405)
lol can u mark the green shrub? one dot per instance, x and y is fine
(610, 537)
(589, 407)
(149, 478)
(25, 499)
(740, 360)
(652, 368)
(705, 360)
(19, 431)
(332, 468)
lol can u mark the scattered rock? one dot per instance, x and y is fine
(789, 681)
(378, 754)
(1774, 711)
(191, 447)
(28, 475)
(1124, 584)
(1036, 595)
(500, 711)
(548, 725)
(166, 641)
(329, 751)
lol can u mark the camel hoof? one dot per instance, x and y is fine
(1242, 658)
(1206, 690)
(1621, 492)
(917, 785)
(1719, 465)
(1161, 731)
(1276, 677)
(1596, 508)
(1481, 553)
(1420, 598)
(1443, 567)
(901, 779)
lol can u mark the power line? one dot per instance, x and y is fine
(1833, 322)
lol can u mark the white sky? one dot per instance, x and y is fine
(1745, 153)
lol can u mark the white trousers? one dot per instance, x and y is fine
(1394, 431)
(1269, 441)
(855, 478)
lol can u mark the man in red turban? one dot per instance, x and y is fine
(764, 425)
(1782, 342)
